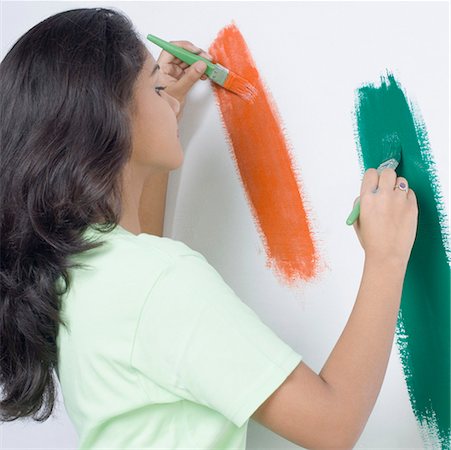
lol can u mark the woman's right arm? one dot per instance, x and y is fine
(330, 410)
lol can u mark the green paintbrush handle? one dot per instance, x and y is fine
(181, 53)
(354, 213)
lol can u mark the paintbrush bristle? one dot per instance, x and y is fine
(240, 86)
(391, 147)
(391, 152)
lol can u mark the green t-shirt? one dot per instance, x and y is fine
(161, 353)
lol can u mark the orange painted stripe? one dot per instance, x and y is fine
(262, 156)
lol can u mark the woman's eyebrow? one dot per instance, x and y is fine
(156, 67)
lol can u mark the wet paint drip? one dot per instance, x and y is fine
(423, 327)
(265, 166)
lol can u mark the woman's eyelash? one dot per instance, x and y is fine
(159, 88)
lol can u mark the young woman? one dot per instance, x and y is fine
(152, 348)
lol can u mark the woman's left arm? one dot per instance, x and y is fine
(179, 78)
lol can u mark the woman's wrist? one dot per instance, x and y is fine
(391, 262)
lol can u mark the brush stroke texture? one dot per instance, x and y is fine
(265, 166)
(423, 328)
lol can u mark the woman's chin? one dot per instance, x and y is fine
(178, 159)
(171, 158)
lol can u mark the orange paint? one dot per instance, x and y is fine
(263, 159)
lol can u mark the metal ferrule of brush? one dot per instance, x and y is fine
(219, 74)
(390, 163)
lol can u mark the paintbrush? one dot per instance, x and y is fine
(391, 152)
(217, 73)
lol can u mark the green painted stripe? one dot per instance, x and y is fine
(423, 332)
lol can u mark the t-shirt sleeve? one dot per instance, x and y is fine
(197, 339)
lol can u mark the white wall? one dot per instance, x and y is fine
(312, 55)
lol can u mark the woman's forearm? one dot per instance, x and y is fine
(152, 204)
(356, 367)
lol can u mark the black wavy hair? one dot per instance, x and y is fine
(67, 98)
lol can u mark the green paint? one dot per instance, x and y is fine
(423, 332)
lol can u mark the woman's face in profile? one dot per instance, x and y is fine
(156, 145)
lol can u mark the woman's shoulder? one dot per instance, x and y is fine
(171, 248)
(144, 244)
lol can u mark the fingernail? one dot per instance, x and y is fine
(200, 66)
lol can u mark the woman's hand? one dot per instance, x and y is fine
(388, 219)
(178, 76)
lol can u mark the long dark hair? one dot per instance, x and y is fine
(67, 95)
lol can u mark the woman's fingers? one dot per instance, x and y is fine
(178, 75)
(187, 45)
(174, 66)
(387, 180)
(166, 58)
(180, 88)
(399, 181)
(173, 71)
(369, 181)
